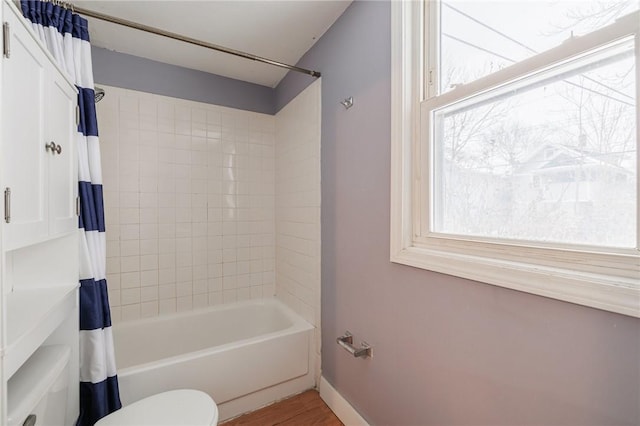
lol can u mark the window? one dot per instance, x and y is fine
(515, 146)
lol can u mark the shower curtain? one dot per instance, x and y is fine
(66, 36)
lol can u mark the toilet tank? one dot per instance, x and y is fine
(39, 388)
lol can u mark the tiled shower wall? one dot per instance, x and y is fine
(298, 204)
(189, 203)
(298, 207)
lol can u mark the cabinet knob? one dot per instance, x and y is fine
(55, 149)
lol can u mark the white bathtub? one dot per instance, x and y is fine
(244, 355)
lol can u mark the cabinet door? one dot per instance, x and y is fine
(60, 129)
(24, 163)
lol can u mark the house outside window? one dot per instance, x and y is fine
(515, 145)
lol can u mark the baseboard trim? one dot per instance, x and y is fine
(340, 406)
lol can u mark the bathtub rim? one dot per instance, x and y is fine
(298, 324)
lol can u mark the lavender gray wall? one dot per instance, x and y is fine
(132, 72)
(446, 350)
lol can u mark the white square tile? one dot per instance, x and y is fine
(149, 215)
(128, 199)
(130, 312)
(148, 231)
(185, 303)
(200, 272)
(149, 246)
(113, 249)
(184, 273)
(129, 232)
(256, 292)
(243, 281)
(200, 286)
(148, 183)
(200, 301)
(113, 265)
(184, 259)
(214, 284)
(114, 297)
(230, 296)
(243, 294)
(149, 278)
(167, 245)
(129, 264)
(148, 200)
(113, 281)
(149, 262)
(167, 260)
(184, 289)
(167, 291)
(167, 306)
(167, 230)
(130, 296)
(129, 280)
(215, 298)
(199, 115)
(183, 229)
(149, 309)
(200, 257)
(166, 276)
(215, 270)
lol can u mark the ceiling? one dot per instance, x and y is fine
(278, 30)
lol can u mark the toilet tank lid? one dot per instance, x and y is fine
(34, 379)
(178, 407)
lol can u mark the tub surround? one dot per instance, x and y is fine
(189, 203)
(297, 195)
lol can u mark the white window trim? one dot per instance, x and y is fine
(609, 286)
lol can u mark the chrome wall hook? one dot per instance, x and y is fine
(347, 103)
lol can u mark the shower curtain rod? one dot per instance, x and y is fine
(185, 39)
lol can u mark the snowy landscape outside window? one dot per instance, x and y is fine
(523, 164)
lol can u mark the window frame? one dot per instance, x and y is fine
(590, 276)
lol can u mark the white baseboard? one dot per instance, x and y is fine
(340, 406)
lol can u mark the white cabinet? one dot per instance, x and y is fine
(39, 235)
(39, 150)
(63, 166)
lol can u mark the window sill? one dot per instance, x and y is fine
(614, 294)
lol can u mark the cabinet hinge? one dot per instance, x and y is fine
(7, 205)
(6, 40)
(77, 115)
(77, 206)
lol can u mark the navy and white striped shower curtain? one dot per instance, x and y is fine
(66, 36)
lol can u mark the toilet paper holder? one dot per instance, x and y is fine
(346, 341)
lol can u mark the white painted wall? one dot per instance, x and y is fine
(297, 159)
(189, 203)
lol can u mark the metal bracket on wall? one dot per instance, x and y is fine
(346, 341)
(6, 40)
(7, 205)
(347, 103)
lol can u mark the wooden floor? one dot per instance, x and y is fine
(300, 410)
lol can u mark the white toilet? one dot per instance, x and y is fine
(177, 407)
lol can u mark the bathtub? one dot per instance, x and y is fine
(244, 355)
